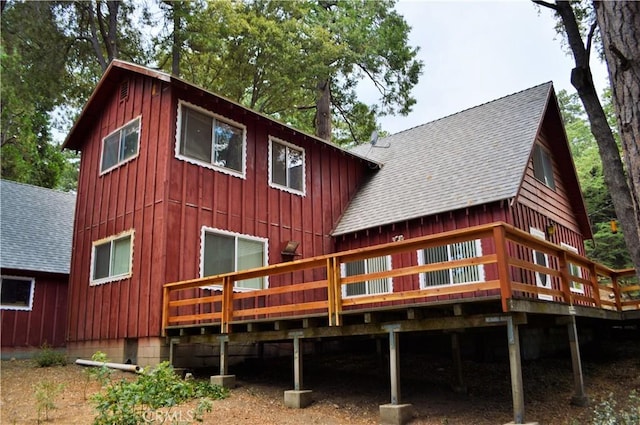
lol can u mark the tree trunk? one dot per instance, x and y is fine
(613, 170)
(619, 23)
(176, 47)
(323, 110)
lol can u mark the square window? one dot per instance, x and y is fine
(367, 266)
(209, 140)
(287, 166)
(227, 252)
(120, 146)
(112, 258)
(451, 252)
(16, 293)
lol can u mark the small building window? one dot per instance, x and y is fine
(367, 266)
(286, 166)
(120, 146)
(227, 252)
(210, 140)
(451, 252)
(543, 280)
(574, 270)
(111, 258)
(16, 293)
(542, 166)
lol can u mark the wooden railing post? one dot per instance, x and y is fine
(595, 289)
(165, 310)
(337, 290)
(499, 238)
(227, 304)
(331, 301)
(565, 278)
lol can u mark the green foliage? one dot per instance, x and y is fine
(132, 402)
(607, 411)
(48, 357)
(101, 374)
(45, 394)
(607, 247)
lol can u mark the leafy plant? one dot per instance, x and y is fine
(132, 402)
(47, 357)
(608, 413)
(45, 393)
(101, 374)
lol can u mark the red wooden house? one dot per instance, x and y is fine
(35, 241)
(178, 183)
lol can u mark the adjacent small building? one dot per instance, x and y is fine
(35, 255)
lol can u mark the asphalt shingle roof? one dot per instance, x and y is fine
(469, 158)
(36, 228)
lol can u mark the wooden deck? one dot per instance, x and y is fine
(309, 294)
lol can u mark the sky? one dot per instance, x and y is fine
(478, 51)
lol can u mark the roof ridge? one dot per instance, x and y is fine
(474, 107)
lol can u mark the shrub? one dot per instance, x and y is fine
(45, 393)
(101, 374)
(608, 413)
(47, 357)
(133, 402)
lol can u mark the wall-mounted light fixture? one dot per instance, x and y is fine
(397, 238)
(289, 250)
(550, 230)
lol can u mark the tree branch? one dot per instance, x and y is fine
(592, 31)
(546, 4)
(346, 119)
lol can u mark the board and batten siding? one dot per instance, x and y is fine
(128, 197)
(45, 322)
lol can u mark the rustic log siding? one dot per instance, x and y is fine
(127, 197)
(45, 323)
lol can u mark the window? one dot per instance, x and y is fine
(226, 252)
(366, 266)
(543, 280)
(111, 258)
(542, 167)
(445, 253)
(574, 270)
(120, 146)
(286, 166)
(16, 293)
(209, 140)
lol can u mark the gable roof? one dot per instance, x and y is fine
(469, 158)
(36, 228)
(109, 84)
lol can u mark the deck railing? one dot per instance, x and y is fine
(513, 264)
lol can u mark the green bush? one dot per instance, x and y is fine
(46, 393)
(101, 374)
(138, 401)
(608, 413)
(48, 357)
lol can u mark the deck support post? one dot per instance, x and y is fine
(515, 364)
(224, 379)
(579, 397)
(458, 385)
(297, 398)
(394, 413)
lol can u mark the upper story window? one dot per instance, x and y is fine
(16, 293)
(451, 252)
(111, 258)
(542, 166)
(286, 166)
(367, 266)
(227, 252)
(210, 140)
(120, 146)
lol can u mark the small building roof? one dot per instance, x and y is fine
(469, 158)
(36, 228)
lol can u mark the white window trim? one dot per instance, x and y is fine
(95, 282)
(423, 280)
(302, 192)
(28, 307)
(343, 273)
(576, 287)
(132, 157)
(242, 173)
(541, 235)
(236, 235)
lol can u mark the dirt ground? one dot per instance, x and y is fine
(348, 390)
